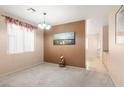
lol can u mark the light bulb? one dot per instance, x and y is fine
(39, 25)
(48, 27)
(43, 26)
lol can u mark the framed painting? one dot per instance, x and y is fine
(67, 38)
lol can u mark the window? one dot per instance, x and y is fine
(21, 39)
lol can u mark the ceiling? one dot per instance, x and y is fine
(57, 14)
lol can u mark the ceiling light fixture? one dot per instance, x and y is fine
(44, 25)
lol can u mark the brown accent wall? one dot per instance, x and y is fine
(74, 54)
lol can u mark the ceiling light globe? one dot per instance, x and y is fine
(48, 27)
(39, 25)
(44, 25)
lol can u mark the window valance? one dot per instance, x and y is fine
(20, 23)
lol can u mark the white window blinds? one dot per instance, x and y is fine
(20, 38)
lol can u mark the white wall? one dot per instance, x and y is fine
(91, 51)
(13, 62)
(94, 34)
(116, 52)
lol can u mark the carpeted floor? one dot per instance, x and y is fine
(50, 75)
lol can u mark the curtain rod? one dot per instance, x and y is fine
(20, 21)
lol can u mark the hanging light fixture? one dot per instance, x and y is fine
(43, 25)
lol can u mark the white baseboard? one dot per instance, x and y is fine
(20, 69)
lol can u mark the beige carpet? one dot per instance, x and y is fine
(50, 75)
